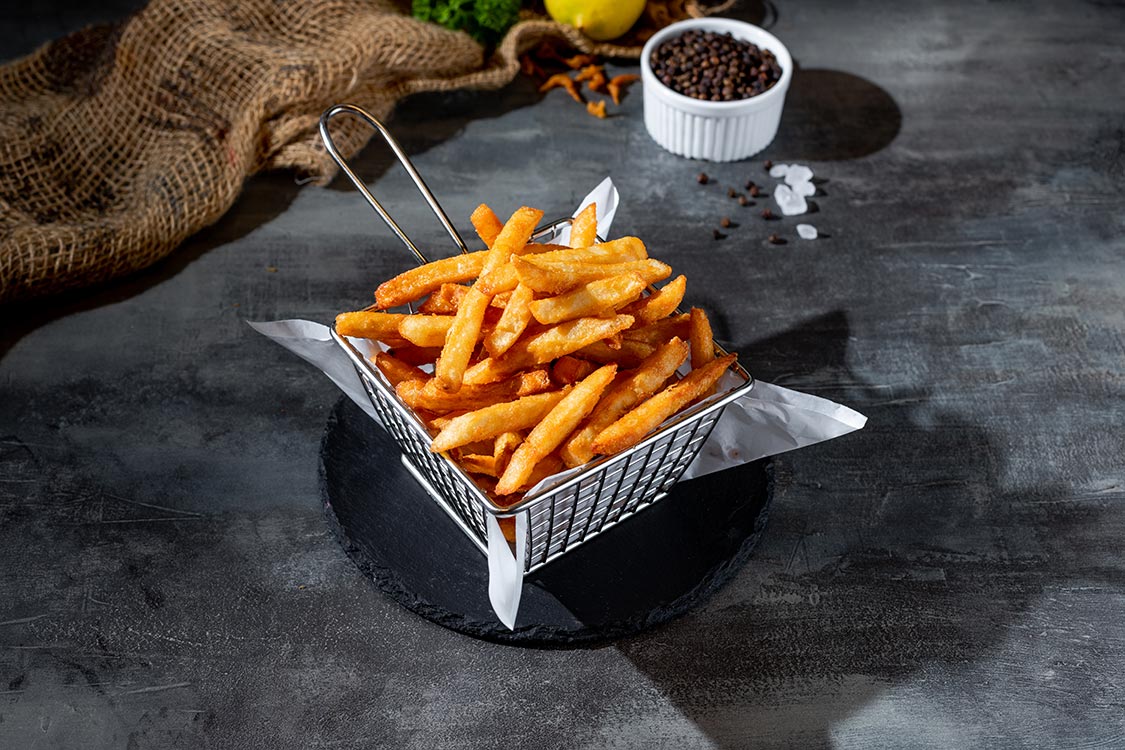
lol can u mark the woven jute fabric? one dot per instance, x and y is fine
(118, 142)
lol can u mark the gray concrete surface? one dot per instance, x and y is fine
(949, 577)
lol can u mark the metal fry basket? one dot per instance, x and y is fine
(564, 513)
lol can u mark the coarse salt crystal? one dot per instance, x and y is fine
(806, 231)
(806, 189)
(779, 170)
(797, 173)
(789, 202)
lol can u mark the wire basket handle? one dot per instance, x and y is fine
(403, 159)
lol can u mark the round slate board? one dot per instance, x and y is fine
(645, 571)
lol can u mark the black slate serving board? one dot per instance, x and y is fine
(648, 569)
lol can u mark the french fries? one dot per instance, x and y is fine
(396, 370)
(543, 356)
(462, 337)
(420, 281)
(642, 383)
(487, 224)
(512, 324)
(556, 425)
(547, 345)
(658, 305)
(636, 424)
(622, 250)
(495, 419)
(557, 277)
(368, 325)
(702, 340)
(584, 228)
(425, 330)
(594, 298)
(419, 394)
(568, 370)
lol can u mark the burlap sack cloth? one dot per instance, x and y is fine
(117, 143)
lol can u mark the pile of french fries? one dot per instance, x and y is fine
(543, 356)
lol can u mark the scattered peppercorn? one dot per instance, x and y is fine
(767, 214)
(718, 235)
(775, 240)
(714, 67)
(742, 201)
(750, 184)
(725, 223)
(702, 178)
(755, 192)
(730, 192)
(768, 165)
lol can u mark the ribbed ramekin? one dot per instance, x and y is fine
(714, 131)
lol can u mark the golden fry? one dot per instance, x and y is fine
(445, 300)
(475, 463)
(620, 250)
(503, 448)
(554, 428)
(702, 340)
(461, 340)
(493, 420)
(512, 238)
(594, 298)
(630, 353)
(425, 394)
(418, 282)
(425, 330)
(397, 370)
(465, 331)
(546, 345)
(487, 224)
(369, 325)
(555, 278)
(552, 464)
(597, 109)
(629, 391)
(584, 228)
(517, 314)
(659, 304)
(662, 330)
(631, 428)
(568, 370)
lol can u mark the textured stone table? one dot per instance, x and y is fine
(948, 577)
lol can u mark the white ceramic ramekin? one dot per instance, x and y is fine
(715, 131)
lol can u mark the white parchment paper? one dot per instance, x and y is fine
(767, 421)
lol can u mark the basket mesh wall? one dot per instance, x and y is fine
(562, 519)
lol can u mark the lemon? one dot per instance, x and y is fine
(601, 20)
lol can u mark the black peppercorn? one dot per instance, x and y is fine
(715, 67)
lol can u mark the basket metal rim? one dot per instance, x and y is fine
(698, 411)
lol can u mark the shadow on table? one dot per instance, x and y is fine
(913, 554)
(831, 115)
